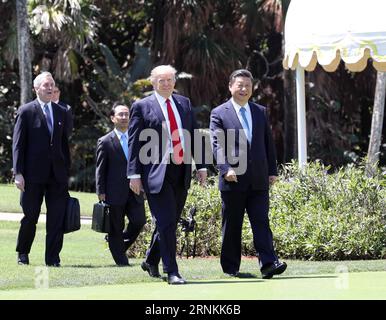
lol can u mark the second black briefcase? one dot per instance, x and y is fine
(72, 215)
(101, 217)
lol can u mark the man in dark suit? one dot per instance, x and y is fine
(70, 116)
(160, 148)
(112, 186)
(243, 147)
(41, 162)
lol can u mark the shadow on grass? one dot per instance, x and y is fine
(257, 279)
(304, 277)
(89, 266)
(230, 281)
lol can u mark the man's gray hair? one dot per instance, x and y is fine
(39, 79)
(160, 69)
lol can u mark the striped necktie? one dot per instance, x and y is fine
(48, 118)
(245, 122)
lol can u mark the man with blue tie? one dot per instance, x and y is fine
(163, 124)
(112, 186)
(41, 162)
(240, 131)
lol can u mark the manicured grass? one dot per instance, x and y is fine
(10, 200)
(87, 263)
(364, 286)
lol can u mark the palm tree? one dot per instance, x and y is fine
(377, 123)
(24, 51)
(201, 41)
(65, 27)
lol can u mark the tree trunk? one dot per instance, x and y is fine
(24, 50)
(376, 123)
(290, 124)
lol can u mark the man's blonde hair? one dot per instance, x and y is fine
(165, 68)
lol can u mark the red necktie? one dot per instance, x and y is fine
(178, 153)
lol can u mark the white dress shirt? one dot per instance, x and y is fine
(162, 103)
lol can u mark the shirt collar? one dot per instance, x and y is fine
(120, 133)
(161, 99)
(43, 103)
(238, 107)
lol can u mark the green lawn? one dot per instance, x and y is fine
(364, 286)
(10, 200)
(88, 272)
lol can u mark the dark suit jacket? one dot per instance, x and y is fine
(33, 151)
(260, 154)
(147, 114)
(70, 116)
(110, 175)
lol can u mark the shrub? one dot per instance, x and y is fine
(314, 215)
(320, 216)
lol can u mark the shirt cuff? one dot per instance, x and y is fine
(134, 176)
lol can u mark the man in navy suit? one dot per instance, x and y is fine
(70, 117)
(243, 147)
(112, 186)
(41, 162)
(161, 145)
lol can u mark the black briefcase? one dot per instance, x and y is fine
(72, 215)
(101, 217)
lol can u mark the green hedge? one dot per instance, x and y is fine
(321, 216)
(315, 215)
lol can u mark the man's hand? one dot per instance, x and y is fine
(19, 182)
(102, 197)
(272, 180)
(230, 176)
(201, 176)
(136, 185)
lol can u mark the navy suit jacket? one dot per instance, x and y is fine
(147, 114)
(33, 151)
(70, 116)
(259, 154)
(110, 175)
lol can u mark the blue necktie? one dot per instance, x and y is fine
(48, 118)
(245, 122)
(125, 146)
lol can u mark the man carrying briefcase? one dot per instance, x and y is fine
(112, 187)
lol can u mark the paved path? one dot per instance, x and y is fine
(7, 216)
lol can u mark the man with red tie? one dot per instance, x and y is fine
(161, 145)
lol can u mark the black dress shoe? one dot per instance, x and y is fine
(175, 278)
(273, 269)
(235, 274)
(22, 259)
(151, 269)
(123, 264)
(56, 265)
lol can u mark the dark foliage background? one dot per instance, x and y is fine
(104, 50)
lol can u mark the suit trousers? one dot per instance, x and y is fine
(166, 208)
(120, 241)
(31, 199)
(234, 205)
